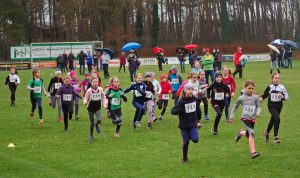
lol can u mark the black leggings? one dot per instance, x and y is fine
(275, 120)
(238, 69)
(205, 103)
(12, 88)
(162, 104)
(159, 66)
(68, 111)
(121, 65)
(105, 69)
(219, 110)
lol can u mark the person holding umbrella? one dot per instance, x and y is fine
(289, 54)
(160, 60)
(133, 64)
(274, 61)
(105, 62)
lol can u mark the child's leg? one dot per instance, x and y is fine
(53, 101)
(65, 111)
(148, 107)
(199, 113)
(165, 105)
(33, 104)
(227, 104)
(58, 107)
(70, 110)
(118, 119)
(92, 124)
(185, 145)
(194, 135)
(139, 111)
(205, 103)
(275, 113)
(39, 104)
(250, 133)
(218, 111)
(76, 106)
(98, 117)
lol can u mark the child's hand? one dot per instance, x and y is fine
(227, 96)
(281, 95)
(110, 95)
(257, 115)
(260, 99)
(232, 94)
(121, 93)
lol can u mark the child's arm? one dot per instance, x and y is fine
(128, 89)
(258, 111)
(6, 80)
(123, 96)
(50, 85)
(234, 108)
(76, 94)
(266, 94)
(178, 108)
(285, 94)
(18, 80)
(86, 98)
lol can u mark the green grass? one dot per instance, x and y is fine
(49, 152)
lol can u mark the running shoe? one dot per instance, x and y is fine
(267, 137)
(213, 131)
(138, 124)
(206, 117)
(160, 118)
(149, 125)
(97, 128)
(184, 160)
(116, 135)
(199, 125)
(134, 126)
(276, 139)
(60, 119)
(91, 139)
(31, 114)
(254, 155)
(76, 117)
(238, 136)
(41, 122)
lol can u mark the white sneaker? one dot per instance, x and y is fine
(138, 124)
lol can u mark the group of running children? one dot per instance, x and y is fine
(149, 93)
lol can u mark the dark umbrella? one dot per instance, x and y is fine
(110, 52)
(181, 49)
(290, 43)
(131, 46)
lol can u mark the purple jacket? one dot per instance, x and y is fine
(66, 94)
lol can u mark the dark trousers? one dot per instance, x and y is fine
(210, 73)
(105, 69)
(176, 98)
(160, 66)
(162, 104)
(89, 67)
(238, 69)
(121, 65)
(68, 111)
(139, 112)
(227, 105)
(219, 110)
(132, 74)
(205, 103)
(81, 69)
(274, 121)
(38, 102)
(12, 88)
(187, 135)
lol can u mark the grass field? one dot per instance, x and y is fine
(49, 152)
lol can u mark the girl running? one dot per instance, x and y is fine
(74, 82)
(186, 108)
(276, 93)
(92, 100)
(251, 110)
(13, 81)
(138, 100)
(114, 95)
(54, 85)
(66, 93)
(217, 92)
(203, 98)
(164, 97)
(36, 87)
(197, 67)
(157, 90)
(230, 82)
(149, 102)
(176, 80)
(84, 83)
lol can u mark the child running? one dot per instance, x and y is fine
(176, 80)
(203, 98)
(92, 100)
(186, 108)
(54, 85)
(157, 90)
(251, 110)
(84, 83)
(66, 93)
(276, 93)
(149, 102)
(114, 95)
(13, 81)
(166, 90)
(217, 92)
(230, 82)
(74, 82)
(36, 87)
(138, 100)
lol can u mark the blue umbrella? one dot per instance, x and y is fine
(277, 42)
(131, 46)
(290, 43)
(110, 52)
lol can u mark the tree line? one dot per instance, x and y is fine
(149, 22)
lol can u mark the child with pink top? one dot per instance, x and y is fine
(74, 82)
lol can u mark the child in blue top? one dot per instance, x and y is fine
(176, 80)
(138, 100)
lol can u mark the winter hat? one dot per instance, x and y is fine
(174, 68)
(148, 74)
(187, 86)
(72, 73)
(153, 74)
(86, 75)
(58, 72)
(217, 74)
(207, 50)
(163, 76)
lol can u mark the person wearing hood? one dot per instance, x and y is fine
(216, 93)
(164, 96)
(237, 57)
(176, 80)
(187, 108)
(208, 65)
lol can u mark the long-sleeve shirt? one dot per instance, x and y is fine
(12, 79)
(176, 80)
(217, 92)
(208, 62)
(250, 104)
(230, 82)
(273, 92)
(105, 58)
(149, 90)
(157, 87)
(66, 93)
(139, 92)
(89, 59)
(36, 87)
(196, 88)
(54, 85)
(166, 88)
(236, 58)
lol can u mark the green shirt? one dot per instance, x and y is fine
(36, 84)
(208, 62)
(115, 101)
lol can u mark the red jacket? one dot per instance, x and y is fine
(122, 60)
(230, 82)
(236, 58)
(165, 88)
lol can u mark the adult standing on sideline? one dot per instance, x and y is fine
(133, 64)
(192, 57)
(237, 62)
(59, 61)
(89, 61)
(71, 59)
(218, 60)
(207, 63)
(181, 58)
(122, 60)
(65, 62)
(81, 56)
(105, 62)
(95, 60)
(289, 54)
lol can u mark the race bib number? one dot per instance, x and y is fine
(11, 80)
(219, 96)
(38, 90)
(57, 85)
(275, 97)
(165, 96)
(249, 110)
(148, 94)
(137, 93)
(95, 96)
(175, 81)
(115, 101)
(67, 97)
(191, 107)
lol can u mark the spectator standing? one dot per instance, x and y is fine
(81, 56)
(89, 61)
(105, 63)
(122, 60)
(71, 59)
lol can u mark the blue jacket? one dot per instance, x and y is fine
(139, 92)
(176, 81)
(186, 109)
(89, 59)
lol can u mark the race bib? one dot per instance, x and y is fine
(137, 93)
(148, 94)
(249, 110)
(67, 97)
(165, 96)
(219, 96)
(57, 85)
(115, 101)
(175, 81)
(38, 90)
(191, 107)
(275, 97)
(95, 96)
(11, 80)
